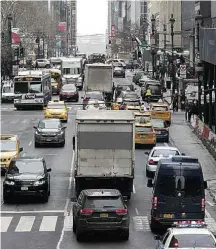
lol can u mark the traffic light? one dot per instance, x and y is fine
(22, 51)
(16, 52)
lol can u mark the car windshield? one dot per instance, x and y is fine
(160, 108)
(164, 153)
(103, 202)
(132, 103)
(35, 87)
(158, 123)
(69, 87)
(21, 87)
(142, 118)
(155, 88)
(124, 87)
(53, 106)
(143, 129)
(8, 145)
(26, 166)
(192, 241)
(49, 124)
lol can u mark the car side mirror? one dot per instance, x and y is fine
(157, 237)
(146, 153)
(49, 170)
(73, 142)
(149, 184)
(21, 149)
(35, 127)
(183, 154)
(82, 97)
(205, 185)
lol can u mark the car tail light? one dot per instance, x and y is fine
(122, 211)
(203, 204)
(175, 244)
(152, 162)
(86, 99)
(155, 202)
(86, 211)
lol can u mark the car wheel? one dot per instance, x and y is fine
(79, 235)
(62, 144)
(153, 226)
(148, 174)
(6, 198)
(77, 99)
(18, 108)
(74, 226)
(60, 99)
(167, 140)
(125, 234)
(45, 197)
(37, 145)
(129, 196)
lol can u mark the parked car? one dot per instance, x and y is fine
(100, 210)
(69, 92)
(43, 63)
(27, 176)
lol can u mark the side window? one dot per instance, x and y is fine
(165, 238)
(80, 199)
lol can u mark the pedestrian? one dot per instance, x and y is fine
(36, 65)
(187, 108)
(132, 66)
(189, 113)
(148, 94)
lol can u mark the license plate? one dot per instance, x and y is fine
(104, 215)
(168, 216)
(142, 136)
(24, 188)
(48, 139)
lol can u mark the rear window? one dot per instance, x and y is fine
(103, 202)
(143, 129)
(192, 241)
(142, 118)
(167, 185)
(193, 186)
(160, 108)
(158, 123)
(165, 153)
(94, 96)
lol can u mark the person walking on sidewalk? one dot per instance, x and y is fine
(187, 108)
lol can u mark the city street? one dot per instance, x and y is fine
(34, 225)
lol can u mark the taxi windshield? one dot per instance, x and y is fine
(192, 241)
(143, 129)
(157, 123)
(160, 108)
(140, 118)
(52, 106)
(132, 103)
(8, 146)
(53, 80)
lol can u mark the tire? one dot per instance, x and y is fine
(153, 226)
(6, 198)
(129, 196)
(74, 226)
(45, 197)
(62, 144)
(167, 140)
(18, 108)
(77, 100)
(37, 145)
(60, 99)
(148, 174)
(125, 234)
(79, 235)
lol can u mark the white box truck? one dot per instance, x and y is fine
(104, 150)
(98, 77)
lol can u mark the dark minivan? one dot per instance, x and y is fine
(156, 90)
(178, 192)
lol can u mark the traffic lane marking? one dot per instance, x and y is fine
(134, 190)
(25, 224)
(32, 211)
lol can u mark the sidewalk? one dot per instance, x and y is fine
(182, 136)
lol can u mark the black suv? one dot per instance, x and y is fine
(100, 210)
(27, 176)
(178, 192)
(156, 90)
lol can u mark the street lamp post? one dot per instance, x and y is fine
(198, 20)
(153, 52)
(172, 21)
(10, 45)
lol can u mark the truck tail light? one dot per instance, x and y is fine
(86, 211)
(203, 204)
(155, 202)
(122, 211)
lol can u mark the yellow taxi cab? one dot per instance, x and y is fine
(56, 109)
(144, 133)
(160, 110)
(10, 148)
(116, 105)
(142, 115)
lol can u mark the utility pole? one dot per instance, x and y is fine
(10, 68)
(172, 21)
(164, 30)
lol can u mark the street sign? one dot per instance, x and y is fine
(183, 71)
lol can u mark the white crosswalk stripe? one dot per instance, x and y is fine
(49, 223)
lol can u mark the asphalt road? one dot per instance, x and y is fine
(33, 225)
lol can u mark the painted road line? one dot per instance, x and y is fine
(166, 144)
(207, 214)
(24, 121)
(137, 212)
(30, 143)
(25, 224)
(68, 223)
(141, 223)
(31, 212)
(5, 223)
(134, 190)
(210, 203)
(48, 224)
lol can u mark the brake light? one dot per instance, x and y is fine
(86, 99)
(86, 211)
(122, 211)
(155, 202)
(152, 162)
(175, 244)
(203, 204)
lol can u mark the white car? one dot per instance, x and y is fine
(157, 153)
(43, 63)
(186, 236)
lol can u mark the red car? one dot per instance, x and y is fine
(69, 92)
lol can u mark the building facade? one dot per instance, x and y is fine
(72, 25)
